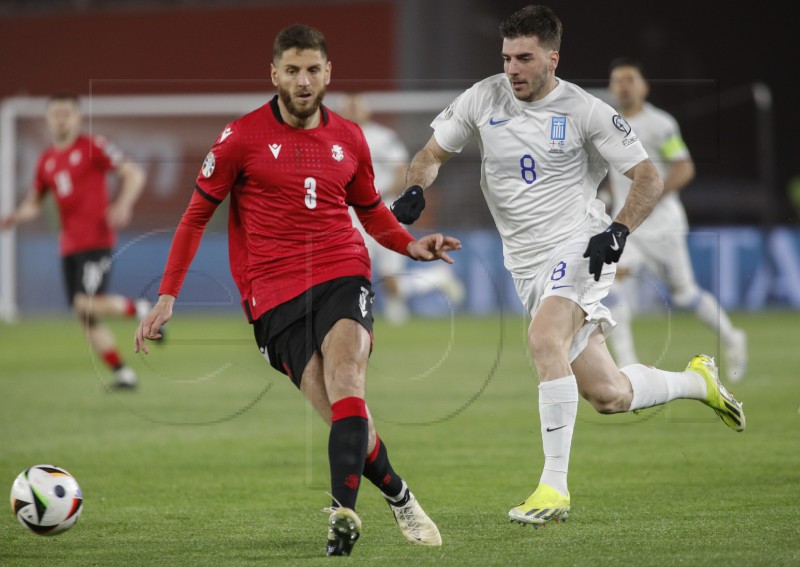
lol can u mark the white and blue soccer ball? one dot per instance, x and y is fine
(46, 499)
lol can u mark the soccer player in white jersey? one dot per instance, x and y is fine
(546, 145)
(664, 229)
(389, 162)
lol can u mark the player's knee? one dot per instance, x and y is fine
(606, 397)
(544, 345)
(348, 379)
(686, 298)
(82, 308)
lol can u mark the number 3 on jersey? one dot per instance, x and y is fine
(311, 192)
(527, 168)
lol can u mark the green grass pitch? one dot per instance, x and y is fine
(217, 460)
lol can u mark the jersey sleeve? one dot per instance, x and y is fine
(613, 138)
(105, 155)
(672, 147)
(455, 125)
(361, 191)
(221, 166)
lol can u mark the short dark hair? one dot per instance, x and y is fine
(300, 37)
(63, 97)
(533, 20)
(625, 62)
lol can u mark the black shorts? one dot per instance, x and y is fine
(289, 334)
(86, 272)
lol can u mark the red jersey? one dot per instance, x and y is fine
(77, 178)
(289, 228)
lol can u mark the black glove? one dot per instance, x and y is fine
(606, 247)
(408, 206)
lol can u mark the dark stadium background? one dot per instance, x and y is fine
(705, 64)
(701, 58)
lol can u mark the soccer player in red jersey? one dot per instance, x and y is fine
(292, 167)
(74, 170)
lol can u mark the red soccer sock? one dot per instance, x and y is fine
(347, 449)
(111, 357)
(130, 307)
(378, 470)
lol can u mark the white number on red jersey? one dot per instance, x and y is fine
(311, 192)
(63, 183)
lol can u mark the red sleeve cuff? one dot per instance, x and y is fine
(380, 224)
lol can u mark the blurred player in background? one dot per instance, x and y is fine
(546, 144)
(291, 168)
(74, 170)
(390, 161)
(660, 242)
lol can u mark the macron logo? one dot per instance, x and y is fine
(275, 149)
(227, 132)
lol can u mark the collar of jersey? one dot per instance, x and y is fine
(276, 111)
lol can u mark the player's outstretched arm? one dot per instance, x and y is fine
(607, 247)
(150, 324)
(679, 175)
(433, 247)
(181, 253)
(28, 209)
(645, 192)
(421, 174)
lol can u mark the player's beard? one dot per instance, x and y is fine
(537, 85)
(286, 98)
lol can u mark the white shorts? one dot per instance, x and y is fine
(666, 254)
(566, 274)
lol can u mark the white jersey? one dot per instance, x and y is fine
(388, 151)
(661, 136)
(541, 161)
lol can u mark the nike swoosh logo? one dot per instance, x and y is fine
(560, 286)
(614, 246)
(555, 428)
(492, 121)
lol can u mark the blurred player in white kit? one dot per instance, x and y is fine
(390, 161)
(660, 242)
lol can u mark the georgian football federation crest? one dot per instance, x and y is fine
(337, 152)
(75, 157)
(208, 165)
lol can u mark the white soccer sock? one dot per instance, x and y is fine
(621, 338)
(653, 387)
(713, 316)
(558, 407)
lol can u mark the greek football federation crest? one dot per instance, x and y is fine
(208, 165)
(558, 134)
(337, 152)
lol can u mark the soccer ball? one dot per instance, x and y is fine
(46, 499)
